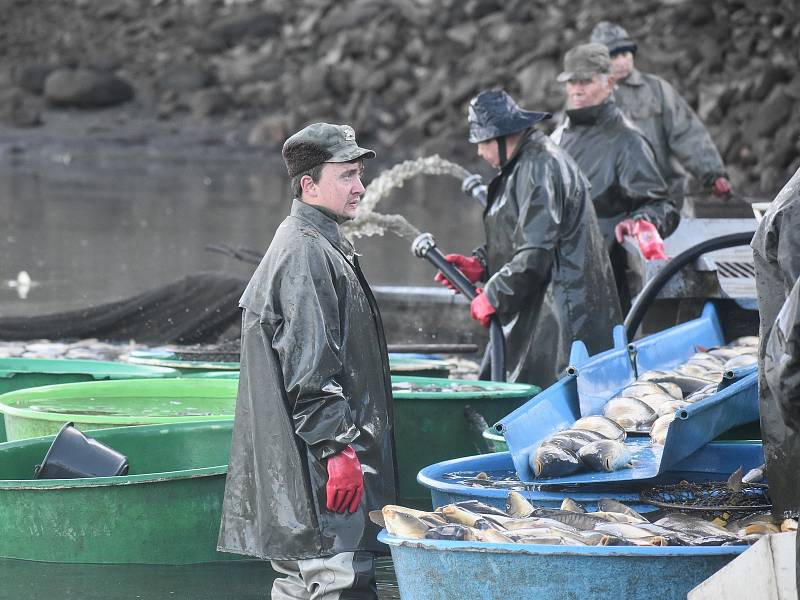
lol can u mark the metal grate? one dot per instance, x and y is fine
(735, 269)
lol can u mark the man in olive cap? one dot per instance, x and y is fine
(679, 138)
(547, 275)
(628, 191)
(312, 450)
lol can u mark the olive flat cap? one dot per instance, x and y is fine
(320, 143)
(615, 38)
(584, 61)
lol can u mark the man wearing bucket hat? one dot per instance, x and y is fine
(628, 191)
(312, 449)
(548, 277)
(679, 138)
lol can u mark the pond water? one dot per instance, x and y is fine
(101, 224)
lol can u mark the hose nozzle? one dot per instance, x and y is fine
(422, 244)
(472, 185)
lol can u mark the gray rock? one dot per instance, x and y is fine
(242, 25)
(31, 77)
(19, 109)
(269, 131)
(210, 102)
(185, 78)
(85, 88)
(770, 115)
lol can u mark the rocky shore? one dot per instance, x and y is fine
(244, 73)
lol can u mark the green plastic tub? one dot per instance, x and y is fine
(165, 511)
(419, 367)
(100, 404)
(431, 426)
(23, 373)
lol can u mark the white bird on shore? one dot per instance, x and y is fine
(23, 284)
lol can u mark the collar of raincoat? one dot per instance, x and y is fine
(591, 115)
(326, 221)
(523, 141)
(635, 79)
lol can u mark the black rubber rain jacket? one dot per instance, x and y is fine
(621, 166)
(314, 378)
(550, 276)
(776, 254)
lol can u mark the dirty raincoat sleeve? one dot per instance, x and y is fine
(688, 138)
(533, 239)
(307, 340)
(782, 361)
(641, 182)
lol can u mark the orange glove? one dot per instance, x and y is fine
(345, 482)
(469, 265)
(650, 243)
(721, 187)
(481, 309)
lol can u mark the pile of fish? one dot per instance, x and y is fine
(613, 524)
(88, 349)
(649, 404)
(593, 442)
(409, 386)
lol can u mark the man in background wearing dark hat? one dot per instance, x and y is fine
(548, 277)
(312, 450)
(677, 134)
(628, 191)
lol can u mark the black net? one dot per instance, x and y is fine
(710, 499)
(227, 351)
(195, 309)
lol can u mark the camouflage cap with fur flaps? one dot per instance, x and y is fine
(320, 143)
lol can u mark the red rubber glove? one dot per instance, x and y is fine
(345, 482)
(469, 265)
(721, 187)
(481, 309)
(650, 243)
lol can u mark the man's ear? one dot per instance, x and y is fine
(611, 81)
(308, 186)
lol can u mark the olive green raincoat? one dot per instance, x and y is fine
(314, 378)
(776, 254)
(782, 360)
(677, 135)
(551, 280)
(620, 165)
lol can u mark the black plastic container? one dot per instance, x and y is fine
(72, 455)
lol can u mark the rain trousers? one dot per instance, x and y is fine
(679, 139)
(620, 165)
(314, 378)
(776, 255)
(782, 360)
(551, 280)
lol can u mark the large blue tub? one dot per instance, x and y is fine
(443, 570)
(712, 462)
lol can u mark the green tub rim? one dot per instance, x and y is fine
(224, 385)
(510, 390)
(99, 369)
(119, 480)
(164, 358)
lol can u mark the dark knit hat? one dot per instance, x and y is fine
(614, 37)
(320, 143)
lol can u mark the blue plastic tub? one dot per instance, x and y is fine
(443, 570)
(712, 462)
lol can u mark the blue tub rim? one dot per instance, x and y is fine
(558, 549)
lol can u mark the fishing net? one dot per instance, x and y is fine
(228, 351)
(195, 309)
(710, 499)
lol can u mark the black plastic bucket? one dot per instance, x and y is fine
(73, 455)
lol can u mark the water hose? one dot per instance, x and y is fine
(424, 246)
(652, 288)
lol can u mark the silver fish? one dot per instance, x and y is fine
(605, 455)
(601, 425)
(660, 428)
(630, 413)
(552, 461)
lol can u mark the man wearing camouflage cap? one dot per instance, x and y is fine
(628, 191)
(679, 139)
(312, 448)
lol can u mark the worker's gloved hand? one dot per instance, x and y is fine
(345, 481)
(469, 265)
(650, 243)
(481, 309)
(721, 186)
